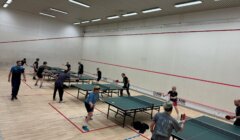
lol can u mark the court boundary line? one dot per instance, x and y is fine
(113, 35)
(114, 119)
(163, 73)
(76, 126)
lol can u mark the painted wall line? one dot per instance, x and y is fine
(167, 74)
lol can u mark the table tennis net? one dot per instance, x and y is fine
(101, 85)
(142, 101)
(233, 135)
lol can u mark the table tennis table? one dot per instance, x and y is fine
(129, 106)
(104, 88)
(206, 128)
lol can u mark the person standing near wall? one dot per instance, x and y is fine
(15, 76)
(59, 85)
(237, 111)
(126, 85)
(68, 66)
(24, 62)
(99, 75)
(80, 69)
(35, 68)
(163, 124)
(40, 73)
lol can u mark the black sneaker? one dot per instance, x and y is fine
(15, 97)
(12, 98)
(34, 78)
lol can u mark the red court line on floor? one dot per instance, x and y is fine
(27, 85)
(162, 73)
(115, 119)
(75, 125)
(66, 118)
(25, 95)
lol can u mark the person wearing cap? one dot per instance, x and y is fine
(90, 104)
(59, 85)
(15, 78)
(163, 124)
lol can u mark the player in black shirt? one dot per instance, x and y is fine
(99, 75)
(173, 97)
(126, 85)
(237, 111)
(35, 68)
(24, 62)
(68, 66)
(80, 69)
(40, 73)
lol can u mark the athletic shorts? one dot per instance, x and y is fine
(174, 102)
(39, 75)
(88, 107)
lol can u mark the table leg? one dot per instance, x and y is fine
(78, 94)
(124, 118)
(108, 110)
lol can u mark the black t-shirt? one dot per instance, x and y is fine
(173, 94)
(125, 82)
(23, 62)
(80, 69)
(99, 74)
(68, 66)
(237, 121)
(41, 69)
(35, 64)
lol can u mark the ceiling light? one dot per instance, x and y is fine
(151, 10)
(76, 23)
(112, 17)
(85, 22)
(44, 14)
(130, 14)
(190, 3)
(5, 5)
(9, 1)
(79, 3)
(95, 20)
(59, 11)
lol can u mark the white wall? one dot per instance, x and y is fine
(37, 36)
(211, 56)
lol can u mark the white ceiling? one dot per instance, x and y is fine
(104, 8)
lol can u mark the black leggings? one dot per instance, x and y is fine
(125, 88)
(60, 91)
(15, 87)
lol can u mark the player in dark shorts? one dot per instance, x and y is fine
(59, 85)
(68, 66)
(15, 78)
(40, 73)
(90, 105)
(173, 97)
(99, 75)
(80, 69)
(35, 68)
(237, 111)
(126, 85)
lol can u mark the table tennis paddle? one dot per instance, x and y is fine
(116, 81)
(228, 117)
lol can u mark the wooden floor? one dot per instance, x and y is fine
(34, 116)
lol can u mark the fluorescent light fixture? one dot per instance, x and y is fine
(59, 11)
(189, 3)
(130, 14)
(95, 20)
(76, 23)
(112, 17)
(151, 10)
(5, 5)
(9, 1)
(85, 21)
(44, 14)
(79, 3)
